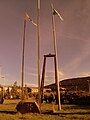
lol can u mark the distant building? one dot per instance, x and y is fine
(5, 88)
(34, 89)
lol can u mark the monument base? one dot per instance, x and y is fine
(27, 107)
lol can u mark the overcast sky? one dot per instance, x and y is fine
(73, 39)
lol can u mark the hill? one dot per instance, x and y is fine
(73, 84)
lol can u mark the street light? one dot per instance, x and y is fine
(38, 33)
(54, 12)
(27, 18)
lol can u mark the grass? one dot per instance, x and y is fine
(68, 112)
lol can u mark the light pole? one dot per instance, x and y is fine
(23, 53)
(55, 52)
(38, 33)
(27, 18)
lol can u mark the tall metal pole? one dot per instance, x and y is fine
(56, 63)
(38, 33)
(23, 52)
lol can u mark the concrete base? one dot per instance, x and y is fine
(27, 107)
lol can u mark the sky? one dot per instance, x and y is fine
(73, 40)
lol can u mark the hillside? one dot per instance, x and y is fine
(80, 84)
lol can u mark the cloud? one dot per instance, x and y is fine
(50, 77)
(85, 74)
(31, 85)
(78, 59)
(33, 74)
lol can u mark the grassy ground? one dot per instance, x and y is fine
(68, 112)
